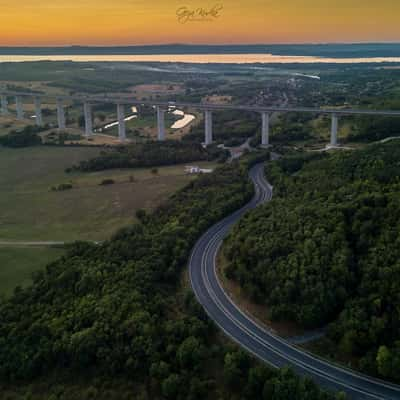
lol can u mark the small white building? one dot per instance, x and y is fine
(194, 169)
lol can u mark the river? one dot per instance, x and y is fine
(185, 120)
(178, 124)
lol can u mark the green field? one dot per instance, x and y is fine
(89, 211)
(18, 263)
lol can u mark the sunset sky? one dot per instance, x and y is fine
(130, 22)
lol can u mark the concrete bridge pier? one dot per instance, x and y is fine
(18, 106)
(38, 111)
(264, 129)
(121, 122)
(60, 115)
(208, 127)
(4, 105)
(87, 112)
(160, 123)
(334, 130)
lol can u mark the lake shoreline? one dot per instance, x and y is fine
(244, 58)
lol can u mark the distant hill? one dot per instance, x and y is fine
(318, 50)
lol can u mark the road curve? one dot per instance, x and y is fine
(251, 336)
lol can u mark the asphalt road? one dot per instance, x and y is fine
(246, 332)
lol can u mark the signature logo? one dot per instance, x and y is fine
(185, 14)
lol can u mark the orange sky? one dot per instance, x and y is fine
(123, 22)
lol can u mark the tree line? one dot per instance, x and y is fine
(25, 137)
(150, 154)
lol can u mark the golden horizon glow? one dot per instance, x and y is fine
(134, 22)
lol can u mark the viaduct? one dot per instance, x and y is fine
(161, 107)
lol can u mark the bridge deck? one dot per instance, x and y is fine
(206, 106)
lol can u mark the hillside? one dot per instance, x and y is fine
(116, 321)
(326, 250)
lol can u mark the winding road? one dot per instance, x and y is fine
(268, 347)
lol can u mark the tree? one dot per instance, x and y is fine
(190, 353)
(171, 386)
(234, 365)
(384, 361)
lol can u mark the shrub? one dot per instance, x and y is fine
(107, 181)
(61, 187)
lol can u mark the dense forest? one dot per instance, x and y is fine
(119, 316)
(374, 128)
(150, 154)
(327, 250)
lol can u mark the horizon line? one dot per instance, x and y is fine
(209, 44)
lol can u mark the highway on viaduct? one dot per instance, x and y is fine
(164, 106)
(246, 332)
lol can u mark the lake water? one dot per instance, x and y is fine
(200, 58)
